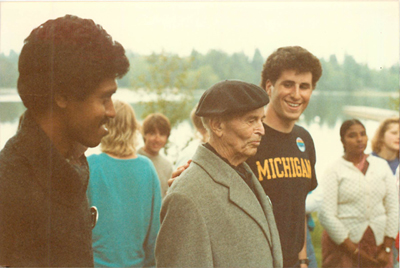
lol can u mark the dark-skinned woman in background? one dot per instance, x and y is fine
(359, 210)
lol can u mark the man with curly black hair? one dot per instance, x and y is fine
(67, 71)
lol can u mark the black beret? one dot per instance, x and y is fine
(231, 96)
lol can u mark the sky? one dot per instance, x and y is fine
(366, 30)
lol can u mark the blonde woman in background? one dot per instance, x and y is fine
(385, 142)
(125, 189)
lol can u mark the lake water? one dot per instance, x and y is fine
(322, 119)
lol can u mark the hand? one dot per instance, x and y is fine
(358, 255)
(303, 265)
(178, 172)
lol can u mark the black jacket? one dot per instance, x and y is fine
(44, 213)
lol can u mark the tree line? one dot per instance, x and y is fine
(173, 79)
(203, 70)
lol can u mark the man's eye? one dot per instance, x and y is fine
(287, 84)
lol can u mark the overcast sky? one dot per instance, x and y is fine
(367, 30)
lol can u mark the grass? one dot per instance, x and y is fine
(316, 238)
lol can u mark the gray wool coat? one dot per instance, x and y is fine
(211, 218)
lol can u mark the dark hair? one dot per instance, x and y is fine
(290, 58)
(346, 125)
(156, 121)
(69, 56)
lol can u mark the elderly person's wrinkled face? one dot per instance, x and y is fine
(241, 135)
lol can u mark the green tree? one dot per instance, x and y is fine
(334, 62)
(332, 76)
(257, 64)
(170, 84)
(394, 103)
(241, 68)
(351, 71)
(206, 76)
(220, 63)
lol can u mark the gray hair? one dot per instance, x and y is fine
(206, 123)
(221, 118)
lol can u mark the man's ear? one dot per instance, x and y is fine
(268, 87)
(216, 126)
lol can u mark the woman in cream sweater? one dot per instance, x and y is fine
(360, 209)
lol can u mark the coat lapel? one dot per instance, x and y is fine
(242, 196)
(265, 202)
(239, 193)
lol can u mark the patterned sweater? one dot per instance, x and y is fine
(353, 201)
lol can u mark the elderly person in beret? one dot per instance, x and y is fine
(216, 213)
